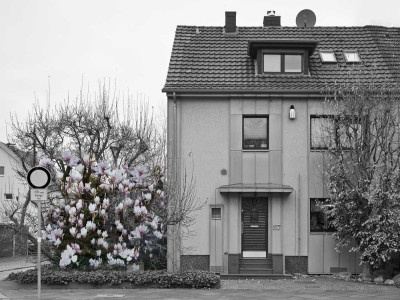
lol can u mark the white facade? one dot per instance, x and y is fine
(208, 132)
(11, 187)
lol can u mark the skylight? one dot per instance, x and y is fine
(327, 56)
(351, 56)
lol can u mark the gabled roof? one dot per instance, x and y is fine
(205, 59)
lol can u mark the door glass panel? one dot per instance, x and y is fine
(254, 217)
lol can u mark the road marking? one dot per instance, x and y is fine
(2, 296)
(109, 296)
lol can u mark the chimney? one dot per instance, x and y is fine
(271, 20)
(230, 21)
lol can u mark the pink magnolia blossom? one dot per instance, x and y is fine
(70, 159)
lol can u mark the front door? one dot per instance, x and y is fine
(254, 224)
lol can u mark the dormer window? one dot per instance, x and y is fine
(283, 63)
(281, 56)
(327, 56)
(351, 56)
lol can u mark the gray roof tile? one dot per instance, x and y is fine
(212, 60)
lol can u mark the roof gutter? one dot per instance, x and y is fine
(200, 93)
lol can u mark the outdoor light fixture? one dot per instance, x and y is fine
(292, 113)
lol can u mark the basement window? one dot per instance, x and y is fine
(215, 213)
(351, 56)
(327, 56)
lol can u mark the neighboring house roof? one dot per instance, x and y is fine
(9, 151)
(205, 59)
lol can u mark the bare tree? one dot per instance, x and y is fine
(363, 168)
(106, 128)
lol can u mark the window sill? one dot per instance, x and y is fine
(255, 150)
(321, 232)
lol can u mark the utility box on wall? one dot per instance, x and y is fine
(216, 239)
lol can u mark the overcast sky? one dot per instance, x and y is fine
(57, 43)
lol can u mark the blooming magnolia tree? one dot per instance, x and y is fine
(106, 215)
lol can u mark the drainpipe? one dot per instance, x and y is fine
(173, 248)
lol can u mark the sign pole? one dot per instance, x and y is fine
(39, 179)
(39, 239)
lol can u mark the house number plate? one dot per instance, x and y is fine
(276, 227)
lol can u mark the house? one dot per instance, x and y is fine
(11, 191)
(244, 105)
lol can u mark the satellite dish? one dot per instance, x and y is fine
(306, 18)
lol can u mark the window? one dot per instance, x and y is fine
(272, 63)
(322, 132)
(283, 63)
(351, 56)
(327, 56)
(330, 132)
(215, 213)
(8, 196)
(1, 171)
(255, 132)
(319, 221)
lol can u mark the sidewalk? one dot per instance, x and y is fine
(309, 288)
(18, 262)
(230, 289)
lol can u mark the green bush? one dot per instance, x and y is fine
(160, 279)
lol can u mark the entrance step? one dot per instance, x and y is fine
(259, 271)
(255, 266)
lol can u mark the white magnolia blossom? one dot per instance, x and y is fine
(106, 203)
(79, 205)
(158, 234)
(83, 232)
(72, 211)
(90, 225)
(95, 263)
(72, 231)
(68, 256)
(92, 208)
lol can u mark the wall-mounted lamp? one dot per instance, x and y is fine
(292, 113)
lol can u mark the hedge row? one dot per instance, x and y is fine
(161, 279)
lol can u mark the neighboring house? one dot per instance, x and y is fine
(245, 105)
(11, 191)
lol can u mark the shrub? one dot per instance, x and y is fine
(161, 279)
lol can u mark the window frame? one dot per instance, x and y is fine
(336, 138)
(327, 61)
(217, 216)
(311, 131)
(2, 173)
(267, 137)
(8, 194)
(283, 53)
(352, 61)
(326, 228)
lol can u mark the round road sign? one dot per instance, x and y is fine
(38, 178)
